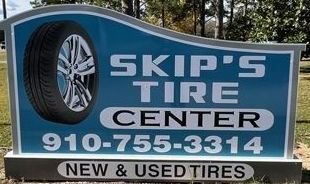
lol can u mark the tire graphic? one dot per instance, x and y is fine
(61, 72)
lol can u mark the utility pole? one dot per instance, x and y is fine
(4, 9)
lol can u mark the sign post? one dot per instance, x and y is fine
(97, 95)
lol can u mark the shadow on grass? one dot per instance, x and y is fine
(305, 176)
(304, 69)
(303, 121)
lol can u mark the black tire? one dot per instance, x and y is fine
(41, 60)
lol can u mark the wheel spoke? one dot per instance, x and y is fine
(82, 98)
(78, 49)
(86, 67)
(74, 98)
(68, 93)
(72, 49)
(65, 47)
(64, 59)
(62, 70)
(83, 90)
(75, 48)
(88, 71)
(87, 61)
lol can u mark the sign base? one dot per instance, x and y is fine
(65, 167)
(73, 167)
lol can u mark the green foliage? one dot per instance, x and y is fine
(239, 29)
(38, 3)
(174, 14)
(179, 15)
(252, 20)
(277, 21)
(270, 20)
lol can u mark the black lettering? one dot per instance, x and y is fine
(226, 171)
(153, 170)
(203, 172)
(98, 169)
(166, 171)
(217, 119)
(239, 172)
(194, 169)
(213, 169)
(73, 170)
(169, 115)
(179, 171)
(115, 118)
(144, 117)
(252, 120)
(200, 116)
(84, 169)
(137, 170)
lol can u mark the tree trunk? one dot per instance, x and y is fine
(245, 8)
(137, 8)
(4, 9)
(163, 13)
(195, 18)
(219, 28)
(127, 7)
(232, 7)
(202, 18)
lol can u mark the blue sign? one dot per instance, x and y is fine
(93, 83)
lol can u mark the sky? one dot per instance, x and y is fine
(14, 7)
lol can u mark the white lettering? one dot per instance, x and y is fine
(150, 65)
(218, 92)
(196, 90)
(259, 68)
(130, 68)
(196, 65)
(145, 89)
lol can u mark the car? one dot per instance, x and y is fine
(2, 45)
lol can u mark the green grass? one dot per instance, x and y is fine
(2, 56)
(4, 109)
(303, 108)
(5, 128)
(303, 133)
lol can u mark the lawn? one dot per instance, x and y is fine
(303, 108)
(303, 114)
(2, 56)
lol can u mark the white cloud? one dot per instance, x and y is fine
(11, 4)
(15, 6)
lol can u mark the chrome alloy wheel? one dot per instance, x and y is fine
(74, 70)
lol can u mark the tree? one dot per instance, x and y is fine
(38, 3)
(239, 29)
(4, 9)
(202, 17)
(169, 14)
(219, 27)
(137, 9)
(232, 7)
(254, 20)
(280, 21)
(127, 7)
